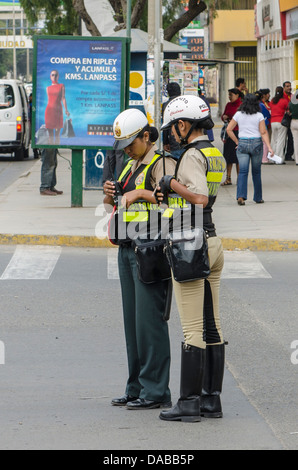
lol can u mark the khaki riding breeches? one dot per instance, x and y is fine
(198, 302)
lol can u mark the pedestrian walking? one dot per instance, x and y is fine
(241, 85)
(196, 181)
(278, 105)
(113, 165)
(252, 131)
(264, 98)
(229, 148)
(49, 163)
(144, 305)
(169, 143)
(35, 150)
(208, 132)
(289, 150)
(293, 108)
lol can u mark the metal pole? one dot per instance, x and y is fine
(128, 35)
(14, 43)
(76, 178)
(157, 68)
(128, 19)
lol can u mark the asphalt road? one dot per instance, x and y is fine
(11, 169)
(64, 356)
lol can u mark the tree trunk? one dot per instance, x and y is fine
(137, 12)
(194, 9)
(79, 7)
(120, 14)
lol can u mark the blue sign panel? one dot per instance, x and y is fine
(78, 90)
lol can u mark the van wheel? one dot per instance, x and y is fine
(26, 153)
(19, 154)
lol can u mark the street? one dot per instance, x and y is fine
(10, 169)
(61, 326)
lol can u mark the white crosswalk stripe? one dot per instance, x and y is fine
(238, 265)
(243, 265)
(38, 262)
(32, 262)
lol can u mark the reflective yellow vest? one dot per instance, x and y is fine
(142, 215)
(216, 166)
(139, 210)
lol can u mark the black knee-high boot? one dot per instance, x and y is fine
(192, 371)
(212, 384)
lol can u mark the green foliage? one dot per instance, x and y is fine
(171, 11)
(60, 16)
(5, 62)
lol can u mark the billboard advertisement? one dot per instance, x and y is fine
(10, 3)
(78, 90)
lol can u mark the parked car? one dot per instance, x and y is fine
(14, 123)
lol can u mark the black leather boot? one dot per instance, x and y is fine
(212, 384)
(187, 408)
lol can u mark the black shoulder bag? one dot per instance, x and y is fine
(187, 252)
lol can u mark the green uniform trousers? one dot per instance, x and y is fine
(146, 333)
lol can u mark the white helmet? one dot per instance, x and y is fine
(127, 126)
(186, 107)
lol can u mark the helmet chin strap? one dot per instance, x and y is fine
(184, 140)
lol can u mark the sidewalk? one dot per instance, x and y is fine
(27, 217)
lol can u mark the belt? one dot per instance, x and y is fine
(210, 234)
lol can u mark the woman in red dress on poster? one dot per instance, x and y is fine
(54, 111)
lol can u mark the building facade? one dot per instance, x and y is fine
(277, 52)
(232, 38)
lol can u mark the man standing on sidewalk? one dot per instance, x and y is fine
(48, 172)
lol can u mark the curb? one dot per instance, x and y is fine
(231, 244)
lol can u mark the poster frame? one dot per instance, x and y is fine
(125, 42)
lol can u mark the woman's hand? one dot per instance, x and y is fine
(159, 196)
(130, 197)
(109, 188)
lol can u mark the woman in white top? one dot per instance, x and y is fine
(252, 131)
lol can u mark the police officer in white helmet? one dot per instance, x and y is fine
(144, 305)
(197, 178)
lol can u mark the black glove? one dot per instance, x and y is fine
(165, 184)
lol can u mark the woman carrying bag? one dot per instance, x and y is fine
(144, 305)
(197, 179)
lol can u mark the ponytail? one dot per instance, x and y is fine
(153, 133)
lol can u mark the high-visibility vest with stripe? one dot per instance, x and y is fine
(142, 215)
(216, 166)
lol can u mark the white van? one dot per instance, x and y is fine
(14, 123)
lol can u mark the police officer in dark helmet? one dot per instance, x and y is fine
(197, 178)
(169, 143)
(144, 305)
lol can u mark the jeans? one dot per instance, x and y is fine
(250, 150)
(48, 168)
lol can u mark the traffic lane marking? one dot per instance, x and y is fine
(32, 262)
(237, 265)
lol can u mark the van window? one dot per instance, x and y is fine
(23, 96)
(6, 96)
